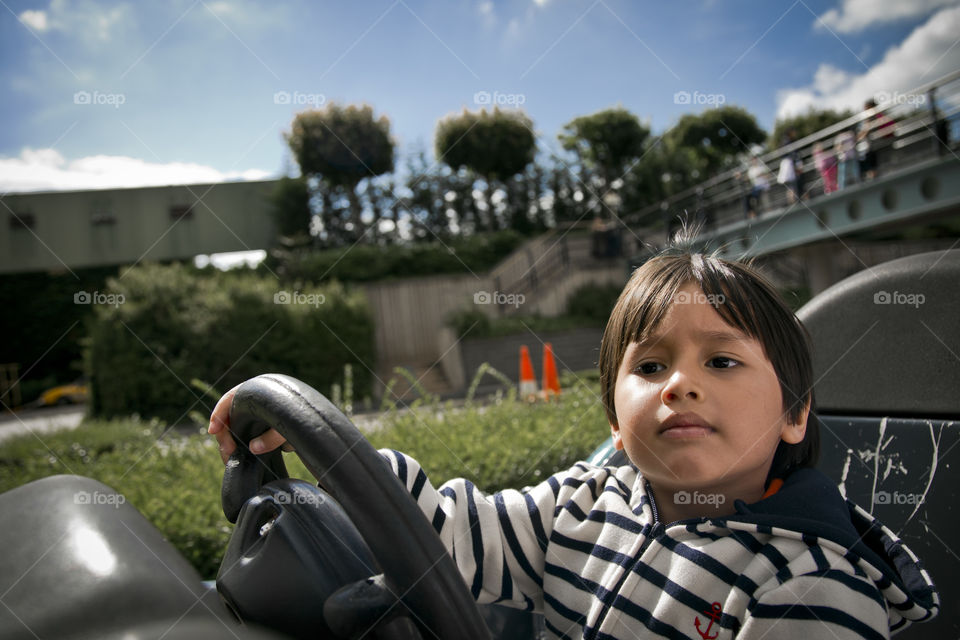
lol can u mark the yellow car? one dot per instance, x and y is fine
(73, 393)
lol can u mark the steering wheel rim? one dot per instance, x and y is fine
(415, 562)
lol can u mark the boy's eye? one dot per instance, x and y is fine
(722, 362)
(650, 368)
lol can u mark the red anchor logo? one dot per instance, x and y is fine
(714, 615)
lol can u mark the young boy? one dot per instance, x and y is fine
(719, 528)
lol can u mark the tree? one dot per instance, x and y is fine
(290, 205)
(342, 146)
(495, 145)
(606, 143)
(717, 136)
(804, 124)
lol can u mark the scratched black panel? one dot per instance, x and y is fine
(884, 465)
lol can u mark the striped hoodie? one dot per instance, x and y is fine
(587, 549)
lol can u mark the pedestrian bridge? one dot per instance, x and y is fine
(918, 181)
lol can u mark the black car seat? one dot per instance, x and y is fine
(886, 353)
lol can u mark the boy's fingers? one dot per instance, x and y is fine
(227, 447)
(268, 441)
(220, 416)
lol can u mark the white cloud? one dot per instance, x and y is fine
(47, 169)
(83, 18)
(856, 15)
(36, 20)
(926, 54)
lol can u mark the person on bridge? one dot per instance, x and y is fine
(848, 165)
(757, 175)
(826, 166)
(875, 135)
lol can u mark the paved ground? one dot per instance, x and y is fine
(40, 421)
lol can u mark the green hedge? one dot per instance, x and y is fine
(44, 326)
(588, 306)
(174, 325)
(364, 263)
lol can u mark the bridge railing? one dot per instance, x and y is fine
(925, 123)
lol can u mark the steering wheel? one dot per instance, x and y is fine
(415, 563)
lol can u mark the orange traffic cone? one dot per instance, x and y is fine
(528, 382)
(551, 383)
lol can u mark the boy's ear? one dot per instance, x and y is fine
(617, 440)
(794, 432)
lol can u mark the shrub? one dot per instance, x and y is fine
(174, 325)
(364, 263)
(594, 302)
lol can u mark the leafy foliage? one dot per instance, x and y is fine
(174, 325)
(594, 302)
(495, 145)
(606, 142)
(341, 146)
(364, 263)
(806, 123)
(717, 135)
(291, 206)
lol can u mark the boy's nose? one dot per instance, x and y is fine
(680, 386)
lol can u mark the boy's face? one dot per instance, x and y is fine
(699, 406)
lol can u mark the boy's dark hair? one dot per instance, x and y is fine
(746, 301)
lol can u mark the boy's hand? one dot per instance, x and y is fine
(220, 429)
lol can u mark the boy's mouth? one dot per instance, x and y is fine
(685, 425)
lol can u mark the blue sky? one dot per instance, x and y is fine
(106, 93)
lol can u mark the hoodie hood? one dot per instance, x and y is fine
(810, 503)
